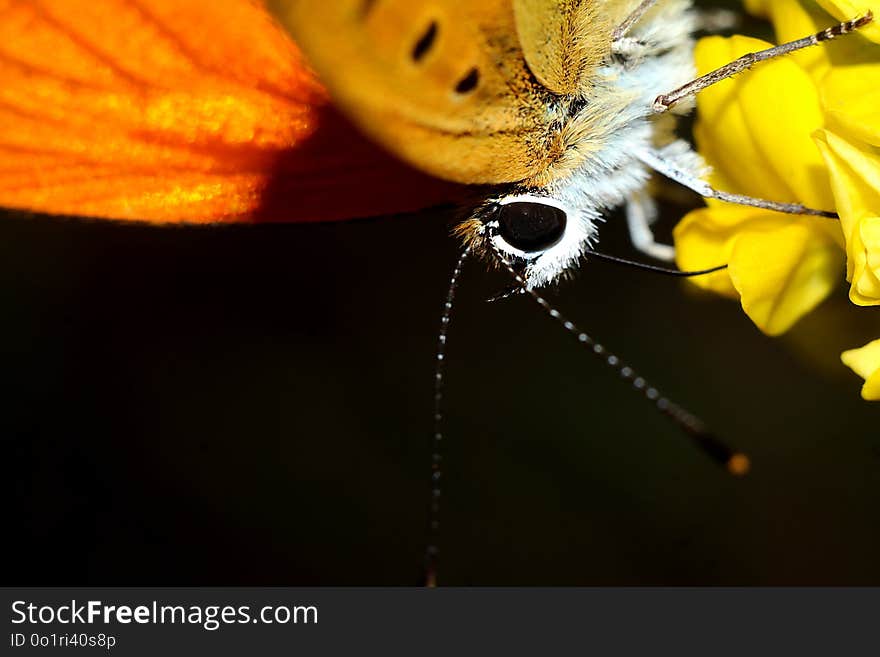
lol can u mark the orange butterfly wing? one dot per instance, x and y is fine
(179, 111)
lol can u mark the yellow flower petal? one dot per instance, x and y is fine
(783, 271)
(865, 289)
(857, 193)
(855, 178)
(761, 151)
(721, 132)
(783, 134)
(865, 362)
(851, 97)
(704, 239)
(844, 10)
(781, 267)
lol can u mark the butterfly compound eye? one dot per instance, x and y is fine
(531, 226)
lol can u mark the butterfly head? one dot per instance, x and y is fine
(541, 235)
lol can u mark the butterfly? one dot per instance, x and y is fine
(566, 107)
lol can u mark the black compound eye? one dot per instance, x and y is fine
(531, 226)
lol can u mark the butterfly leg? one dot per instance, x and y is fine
(665, 101)
(674, 171)
(641, 213)
(506, 293)
(620, 31)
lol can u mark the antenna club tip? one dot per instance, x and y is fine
(739, 465)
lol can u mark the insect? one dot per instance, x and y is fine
(562, 110)
(566, 108)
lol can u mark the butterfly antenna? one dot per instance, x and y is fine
(653, 268)
(736, 462)
(432, 551)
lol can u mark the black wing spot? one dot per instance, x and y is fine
(366, 7)
(469, 82)
(424, 44)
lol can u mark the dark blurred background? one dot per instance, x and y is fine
(252, 405)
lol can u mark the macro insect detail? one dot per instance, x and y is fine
(566, 127)
(555, 112)
(566, 108)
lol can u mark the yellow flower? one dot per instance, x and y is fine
(754, 130)
(855, 176)
(846, 73)
(804, 128)
(866, 363)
